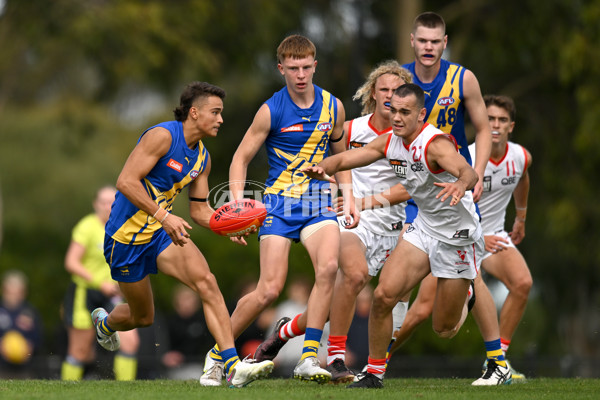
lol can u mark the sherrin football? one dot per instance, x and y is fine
(238, 217)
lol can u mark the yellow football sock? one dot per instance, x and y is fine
(125, 367)
(70, 372)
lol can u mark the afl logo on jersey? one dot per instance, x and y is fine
(445, 101)
(324, 126)
(194, 174)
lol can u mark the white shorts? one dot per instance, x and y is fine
(446, 260)
(503, 235)
(379, 247)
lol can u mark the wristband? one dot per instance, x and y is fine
(165, 217)
(520, 219)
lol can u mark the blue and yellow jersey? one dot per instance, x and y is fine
(173, 172)
(299, 137)
(444, 102)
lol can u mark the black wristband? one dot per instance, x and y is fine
(198, 199)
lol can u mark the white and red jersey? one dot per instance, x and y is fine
(456, 225)
(499, 182)
(372, 179)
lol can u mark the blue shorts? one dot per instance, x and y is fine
(287, 216)
(131, 263)
(412, 210)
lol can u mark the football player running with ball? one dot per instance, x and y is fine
(143, 236)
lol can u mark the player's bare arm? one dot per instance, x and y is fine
(441, 153)
(200, 209)
(520, 195)
(152, 146)
(251, 142)
(349, 159)
(483, 135)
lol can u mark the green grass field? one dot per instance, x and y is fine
(288, 389)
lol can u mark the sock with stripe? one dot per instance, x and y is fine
(215, 354)
(230, 359)
(388, 353)
(376, 367)
(494, 352)
(291, 329)
(504, 343)
(104, 328)
(312, 338)
(336, 348)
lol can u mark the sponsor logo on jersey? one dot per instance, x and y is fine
(194, 174)
(293, 128)
(445, 101)
(509, 180)
(324, 126)
(357, 145)
(396, 226)
(400, 167)
(461, 234)
(417, 167)
(175, 165)
(487, 183)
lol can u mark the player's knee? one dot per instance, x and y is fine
(266, 297)
(326, 272)
(355, 279)
(523, 287)
(382, 301)
(206, 285)
(144, 320)
(445, 331)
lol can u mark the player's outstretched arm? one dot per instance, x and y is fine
(344, 178)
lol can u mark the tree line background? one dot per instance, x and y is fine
(80, 80)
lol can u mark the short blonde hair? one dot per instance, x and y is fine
(365, 92)
(295, 46)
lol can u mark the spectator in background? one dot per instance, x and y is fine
(20, 327)
(188, 336)
(92, 287)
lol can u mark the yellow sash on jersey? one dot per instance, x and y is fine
(443, 116)
(142, 225)
(291, 182)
